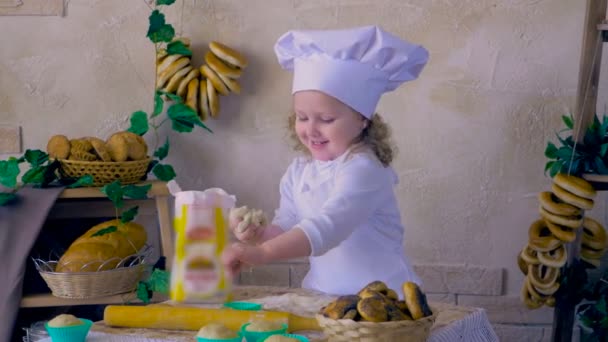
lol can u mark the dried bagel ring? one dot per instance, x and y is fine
(542, 276)
(522, 264)
(575, 185)
(567, 221)
(554, 205)
(529, 255)
(228, 55)
(526, 297)
(550, 301)
(590, 253)
(415, 300)
(594, 234)
(542, 293)
(565, 234)
(571, 198)
(220, 67)
(540, 238)
(555, 258)
(593, 262)
(372, 309)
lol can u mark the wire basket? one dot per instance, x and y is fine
(343, 330)
(103, 173)
(80, 285)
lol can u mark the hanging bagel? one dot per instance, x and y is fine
(594, 234)
(529, 255)
(566, 221)
(540, 238)
(575, 185)
(562, 233)
(555, 258)
(570, 198)
(555, 206)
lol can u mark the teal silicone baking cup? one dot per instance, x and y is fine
(259, 336)
(74, 333)
(235, 339)
(248, 306)
(297, 337)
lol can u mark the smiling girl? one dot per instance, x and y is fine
(337, 203)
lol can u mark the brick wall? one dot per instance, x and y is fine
(456, 284)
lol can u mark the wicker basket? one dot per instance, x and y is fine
(103, 173)
(343, 330)
(80, 285)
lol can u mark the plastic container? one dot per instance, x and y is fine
(259, 336)
(74, 333)
(247, 306)
(297, 337)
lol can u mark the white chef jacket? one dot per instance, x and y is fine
(348, 210)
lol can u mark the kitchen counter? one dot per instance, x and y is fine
(454, 323)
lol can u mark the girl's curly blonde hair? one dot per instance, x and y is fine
(376, 135)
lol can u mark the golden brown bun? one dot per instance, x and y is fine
(81, 145)
(192, 95)
(202, 101)
(372, 309)
(220, 67)
(216, 81)
(99, 146)
(214, 100)
(228, 55)
(88, 253)
(554, 205)
(415, 300)
(167, 73)
(81, 155)
(137, 146)
(570, 198)
(575, 185)
(118, 147)
(64, 320)
(176, 79)
(58, 146)
(182, 90)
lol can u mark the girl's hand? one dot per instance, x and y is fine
(239, 255)
(247, 225)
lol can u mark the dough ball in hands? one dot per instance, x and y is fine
(216, 331)
(65, 320)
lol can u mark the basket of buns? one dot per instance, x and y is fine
(110, 258)
(123, 156)
(375, 314)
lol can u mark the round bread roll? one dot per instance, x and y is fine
(281, 338)
(416, 300)
(570, 198)
(136, 145)
(118, 147)
(64, 320)
(228, 55)
(216, 331)
(575, 185)
(220, 67)
(553, 205)
(263, 326)
(99, 146)
(58, 147)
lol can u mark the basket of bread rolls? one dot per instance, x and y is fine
(110, 258)
(122, 156)
(377, 314)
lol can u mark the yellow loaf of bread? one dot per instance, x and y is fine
(102, 247)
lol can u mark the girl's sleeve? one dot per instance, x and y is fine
(285, 216)
(362, 185)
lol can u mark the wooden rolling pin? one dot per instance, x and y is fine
(169, 317)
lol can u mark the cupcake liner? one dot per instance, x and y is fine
(258, 336)
(74, 333)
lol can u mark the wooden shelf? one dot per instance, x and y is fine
(158, 189)
(46, 300)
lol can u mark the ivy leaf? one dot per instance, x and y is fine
(7, 198)
(568, 121)
(136, 191)
(114, 193)
(551, 151)
(139, 123)
(159, 31)
(9, 169)
(177, 47)
(564, 153)
(85, 180)
(163, 151)
(603, 149)
(159, 281)
(548, 165)
(143, 293)
(164, 172)
(36, 157)
(104, 231)
(175, 98)
(50, 173)
(34, 175)
(158, 104)
(164, 2)
(555, 168)
(129, 215)
(184, 118)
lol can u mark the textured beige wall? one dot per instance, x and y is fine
(471, 131)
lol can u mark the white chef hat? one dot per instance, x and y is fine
(356, 66)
